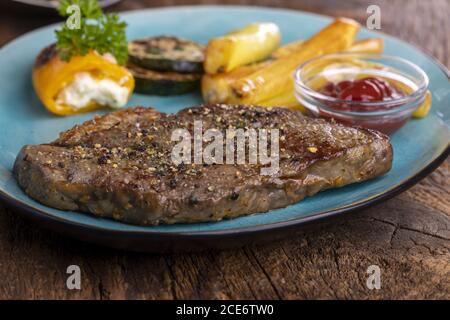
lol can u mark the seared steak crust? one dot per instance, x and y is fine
(119, 165)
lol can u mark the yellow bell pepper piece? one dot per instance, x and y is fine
(51, 75)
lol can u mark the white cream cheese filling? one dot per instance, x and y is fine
(85, 89)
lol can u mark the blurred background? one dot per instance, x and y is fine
(411, 20)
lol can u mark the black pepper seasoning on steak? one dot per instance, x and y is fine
(119, 165)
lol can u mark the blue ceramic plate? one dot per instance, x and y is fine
(419, 147)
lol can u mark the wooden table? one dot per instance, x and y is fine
(408, 237)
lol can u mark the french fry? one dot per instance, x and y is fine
(276, 78)
(286, 99)
(371, 45)
(287, 49)
(250, 44)
(425, 107)
(216, 87)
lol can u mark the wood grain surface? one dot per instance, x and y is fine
(408, 237)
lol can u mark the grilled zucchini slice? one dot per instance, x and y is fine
(163, 83)
(167, 53)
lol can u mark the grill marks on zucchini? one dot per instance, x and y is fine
(165, 65)
(166, 53)
(163, 83)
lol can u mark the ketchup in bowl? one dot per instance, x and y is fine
(365, 89)
(372, 91)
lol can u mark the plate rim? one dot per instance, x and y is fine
(52, 220)
(273, 226)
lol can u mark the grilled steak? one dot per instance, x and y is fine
(119, 166)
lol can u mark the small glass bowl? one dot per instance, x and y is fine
(386, 116)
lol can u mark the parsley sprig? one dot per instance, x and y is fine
(104, 33)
